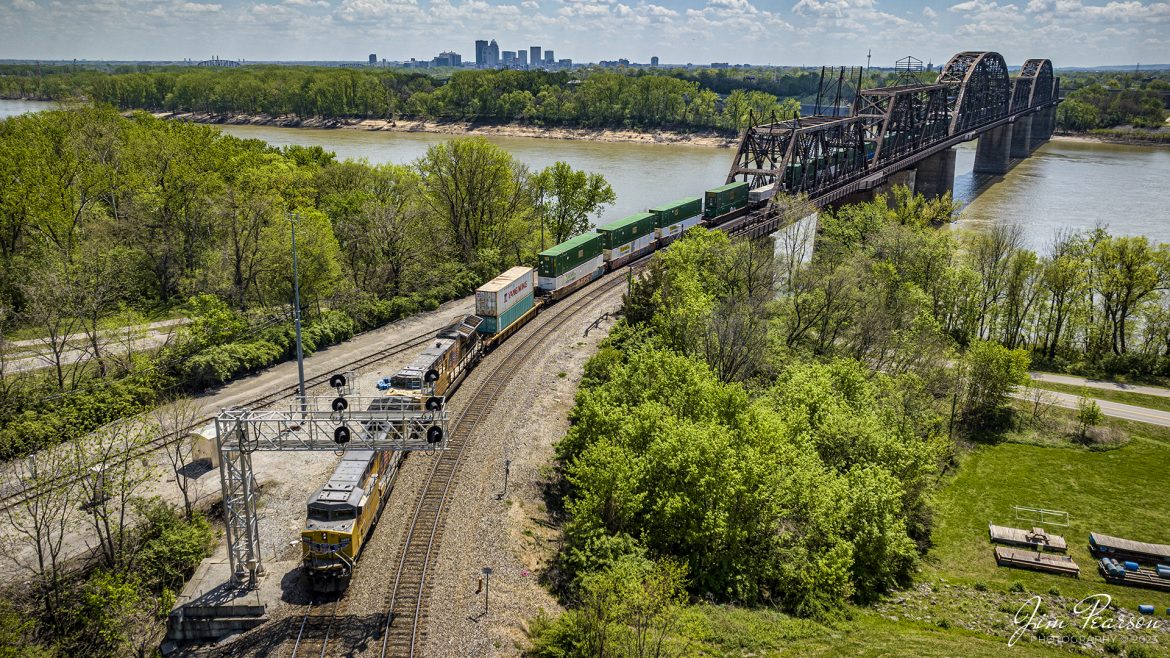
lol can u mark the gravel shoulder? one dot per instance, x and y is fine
(514, 533)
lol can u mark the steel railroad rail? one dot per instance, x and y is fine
(409, 595)
(317, 628)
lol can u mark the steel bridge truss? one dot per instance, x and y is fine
(826, 157)
(320, 424)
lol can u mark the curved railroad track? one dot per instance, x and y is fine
(10, 499)
(406, 604)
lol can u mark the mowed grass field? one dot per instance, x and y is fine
(1121, 492)
(729, 631)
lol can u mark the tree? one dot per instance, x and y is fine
(990, 372)
(40, 522)
(1088, 414)
(481, 195)
(176, 421)
(566, 199)
(113, 471)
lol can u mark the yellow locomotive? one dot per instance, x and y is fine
(343, 513)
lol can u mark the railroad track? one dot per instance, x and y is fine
(406, 605)
(10, 499)
(317, 628)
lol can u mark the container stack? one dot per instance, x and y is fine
(569, 261)
(673, 219)
(628, 236)
(722, 200)
(504, 299)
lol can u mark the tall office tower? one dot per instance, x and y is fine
(493, 54)
(480, 53)
(549, 58)
(508, 57)
(522, 58)
(654, 61)
(373, 59)
(534, 56)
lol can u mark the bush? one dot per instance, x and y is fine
(172, 546)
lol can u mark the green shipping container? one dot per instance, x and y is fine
(625, 231)
(673, 213)
(557, 260)
(722, 200)
(492, 325)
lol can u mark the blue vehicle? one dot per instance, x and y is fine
(384, 384)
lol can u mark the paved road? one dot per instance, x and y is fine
(1112, 409)
(1072, 380)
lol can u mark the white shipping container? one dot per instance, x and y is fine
(588, 268)
(761, 193)
(495, 297)
(630, 247)
(678, 228)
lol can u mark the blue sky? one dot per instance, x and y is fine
(806, 32)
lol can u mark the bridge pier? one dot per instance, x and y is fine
(993, 155)
(1043, 124)
(936, 175)
(1022, 137)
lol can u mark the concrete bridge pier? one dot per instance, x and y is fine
(936, 175)
(1022, 137)
(1043, 124)
(993, 155)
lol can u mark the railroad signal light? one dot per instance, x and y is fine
(434, 403)
(337, 381)
(341, 435)
(339, 404)
(435, 434)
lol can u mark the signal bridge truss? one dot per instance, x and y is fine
(328, 424)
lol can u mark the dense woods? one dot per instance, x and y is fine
(1105, 100)
(598, 99)
(767, 430)
(109, 222)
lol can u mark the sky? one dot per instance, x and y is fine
(782, 32)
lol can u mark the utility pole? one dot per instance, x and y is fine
(293, 220)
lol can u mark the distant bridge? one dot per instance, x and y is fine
(900, 134)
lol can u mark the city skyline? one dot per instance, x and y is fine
(795, 32)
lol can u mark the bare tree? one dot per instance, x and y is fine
(175, 422)
(112, 473)
(50, 309)
(39, 522)
(98, 289)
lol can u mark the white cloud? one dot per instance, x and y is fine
(929, 13)
(306, 3)
(24, 5)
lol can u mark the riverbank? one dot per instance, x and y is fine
(1091, 138)
(708, 138)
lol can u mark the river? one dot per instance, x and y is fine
(1064, 185)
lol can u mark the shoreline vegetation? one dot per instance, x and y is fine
(705, 138)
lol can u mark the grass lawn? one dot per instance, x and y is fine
(1123, 397)
(731, 631)
(1118, 492)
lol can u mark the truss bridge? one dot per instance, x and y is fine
(899, 134)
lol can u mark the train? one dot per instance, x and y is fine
(342, 513)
